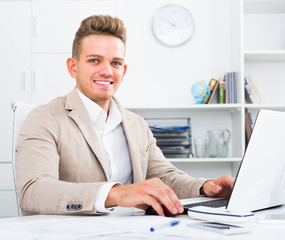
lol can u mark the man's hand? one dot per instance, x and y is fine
(220, 187)
(150, 192)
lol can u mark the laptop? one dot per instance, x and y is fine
(260, 181)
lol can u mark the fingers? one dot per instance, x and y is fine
(231, 182)
(168, 197)
(211, 189)
(225, 181)
(220, 187)
(151, 201)
(151, 192)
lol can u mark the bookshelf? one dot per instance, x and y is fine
(264, 51)
(255, 51)
(205, 117)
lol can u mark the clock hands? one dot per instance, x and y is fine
(174, 25)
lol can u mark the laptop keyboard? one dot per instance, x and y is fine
(212, 203)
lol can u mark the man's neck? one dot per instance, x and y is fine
(105, 105)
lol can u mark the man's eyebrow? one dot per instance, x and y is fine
(94, 55)
(101, 57)
(119, 59)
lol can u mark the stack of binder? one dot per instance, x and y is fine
(174, 141)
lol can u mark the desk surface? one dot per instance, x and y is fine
(123, 223)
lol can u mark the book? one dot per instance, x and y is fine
(234, 98)
(212, 85)
(231, 87)
(248, 125)
(247, 92)
(222, 91)
(251, 92)
(214, 97)
(227, 82)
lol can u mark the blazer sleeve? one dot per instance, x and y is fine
(39, 186)
(184, 185)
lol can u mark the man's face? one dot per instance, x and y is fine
(100, 68)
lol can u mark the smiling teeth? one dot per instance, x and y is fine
(104, 83)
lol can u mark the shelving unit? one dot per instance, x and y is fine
(264, 62)
(264, 51)
(203, 118)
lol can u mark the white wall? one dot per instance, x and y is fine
(162, 76)
(157, 75)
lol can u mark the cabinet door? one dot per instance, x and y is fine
(15, 49)
(8, 204)
(55, 22)
(50, 77)
(6, 177)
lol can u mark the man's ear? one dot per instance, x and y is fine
(71, 64)
(125, 69)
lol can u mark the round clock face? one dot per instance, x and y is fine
(173, 25)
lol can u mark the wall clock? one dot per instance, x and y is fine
(173, 25)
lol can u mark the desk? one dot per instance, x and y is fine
(122, 224)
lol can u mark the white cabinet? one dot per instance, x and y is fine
(56, 22)
(15, 64)
(47, 85)
(54, 26)
(8, 204)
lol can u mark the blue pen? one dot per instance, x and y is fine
(169, 224)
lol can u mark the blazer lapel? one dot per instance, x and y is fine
(80, 117)
(133, 142)
(129, 129)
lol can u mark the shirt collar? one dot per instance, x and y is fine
(95, 112)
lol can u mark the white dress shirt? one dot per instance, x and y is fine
(114, 144)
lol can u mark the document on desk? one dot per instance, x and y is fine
(89, 227)
(63, 227)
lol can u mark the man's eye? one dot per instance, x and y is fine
(93, 60)
(117, 63)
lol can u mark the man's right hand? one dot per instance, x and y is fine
(150, 192)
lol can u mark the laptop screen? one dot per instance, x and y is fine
(260, 182)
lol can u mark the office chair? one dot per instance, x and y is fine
(21, 110)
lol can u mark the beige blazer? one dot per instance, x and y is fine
(60, 165)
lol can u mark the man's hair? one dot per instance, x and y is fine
(98, 25)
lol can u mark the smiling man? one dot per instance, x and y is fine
(99, 68)
(84, 153)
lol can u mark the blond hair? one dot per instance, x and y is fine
(98, 25)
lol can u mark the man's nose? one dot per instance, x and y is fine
(106, 70)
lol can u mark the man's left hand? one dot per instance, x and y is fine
(220, 187)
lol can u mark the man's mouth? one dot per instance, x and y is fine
(103, 82)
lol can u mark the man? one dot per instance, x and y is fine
(84, 154)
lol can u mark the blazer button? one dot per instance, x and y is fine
(79, 206)
(72, 206)
(68, 207)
